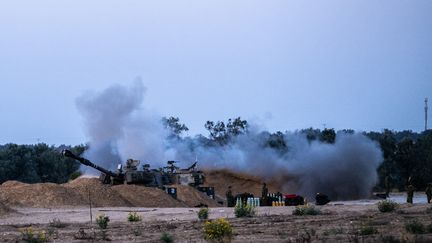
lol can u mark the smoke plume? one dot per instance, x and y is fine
(119, 127)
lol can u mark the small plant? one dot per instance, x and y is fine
(386, 206)
(429, 228)
(102, 221)
(415, 227)
(334, 231)
(166, 238)
(217, 230)
(203, 213)
(306, 210)
(368, 230)
(134, 217)
(242, 210)
(56, 223)
(82, 235)
(137, 232)
(29, 235)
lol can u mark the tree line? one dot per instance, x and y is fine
(407, 154)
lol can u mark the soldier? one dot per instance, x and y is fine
(410, 193)
(387, 182)
(264, 193)
(428, 192)
(230, 198)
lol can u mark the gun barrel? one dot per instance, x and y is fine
(87, 162)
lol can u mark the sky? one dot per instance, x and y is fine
(284, 65)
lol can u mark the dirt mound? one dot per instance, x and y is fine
(77, 192)
(240, 183)
(192, 197)
(5, 209)
(141, 196)
(38, 195)
(101, 195)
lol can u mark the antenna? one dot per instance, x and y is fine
(426, 111)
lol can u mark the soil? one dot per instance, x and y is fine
(336, 223)
(62, 213)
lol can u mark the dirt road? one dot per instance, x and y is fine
(337, 222)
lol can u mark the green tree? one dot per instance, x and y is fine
(174, 126)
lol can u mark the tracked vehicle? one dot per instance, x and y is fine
(130, 174)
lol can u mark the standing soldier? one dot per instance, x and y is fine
(264, 193)
(229, 197)
(387, 182)
(428, 192)
(410, 193)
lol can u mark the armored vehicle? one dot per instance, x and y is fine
(130, 174)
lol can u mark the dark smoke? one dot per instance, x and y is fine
(119, 128)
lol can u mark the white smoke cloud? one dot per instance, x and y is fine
(119, 128)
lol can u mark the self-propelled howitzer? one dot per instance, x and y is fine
(129, 175)
(148, 177)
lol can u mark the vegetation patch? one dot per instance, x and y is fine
(102, 221)
(166, 238)
(56, 223)
(203, 213)
(368, 230)
(387, 206)
(415, 227)
(30, 235)
(306, 210)
(218, 230)
(242, 210)
(134, 217)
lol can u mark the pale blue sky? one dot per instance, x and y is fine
(286, 65)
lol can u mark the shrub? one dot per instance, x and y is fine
(368, 230)
(415, 227)
(102, 220)
(29, 235)
(167, 238)
(203, 213)
(56, 223)
(242, 210)
(134, 217)
(217, 230)
(429, 228)
(306, 210)
(387, 206)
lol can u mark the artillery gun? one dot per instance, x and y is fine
(168, 175)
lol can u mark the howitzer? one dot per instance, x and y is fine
(106, 176)
(168, 175)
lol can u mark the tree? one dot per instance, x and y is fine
(221, 133)
(174, 126)
(328, 136)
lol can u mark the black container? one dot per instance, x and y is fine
(209, 190)
(172, 191)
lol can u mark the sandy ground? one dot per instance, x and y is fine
(339, 222)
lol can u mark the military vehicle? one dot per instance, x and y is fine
(168, 175)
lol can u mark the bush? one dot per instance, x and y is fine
(134, 217)
(29, 235)
(167, 238)
(203, 213)
(242, 210)
(102, 220)
(386, 206)
(368, 230)
(56, 223)
(306, 210)
(217, 230)
(415, 227)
